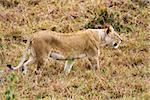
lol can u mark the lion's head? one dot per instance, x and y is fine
(111, 37)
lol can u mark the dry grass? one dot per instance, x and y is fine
(124, 73)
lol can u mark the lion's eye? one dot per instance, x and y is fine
(115, 44)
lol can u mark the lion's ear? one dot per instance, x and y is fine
(108, 28)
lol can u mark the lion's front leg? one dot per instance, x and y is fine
(94, 62)
(97, 58)
(68, 65)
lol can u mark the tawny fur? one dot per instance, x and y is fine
(86, 42)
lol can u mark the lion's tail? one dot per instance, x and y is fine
(23, 56)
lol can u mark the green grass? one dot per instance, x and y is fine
(124, 73)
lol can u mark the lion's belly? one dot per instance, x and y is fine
(60, 56)
(68, 52)
(69, 47)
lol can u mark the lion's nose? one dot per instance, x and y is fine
(115, 44)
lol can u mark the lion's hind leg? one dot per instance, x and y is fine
(57, 56)
(30, 61)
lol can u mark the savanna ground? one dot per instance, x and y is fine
(124, 72)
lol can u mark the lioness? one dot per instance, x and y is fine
(69, 46)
